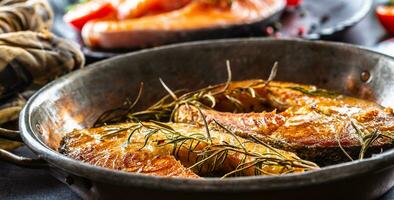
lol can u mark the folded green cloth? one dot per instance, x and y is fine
(34, 58)
(23, 15)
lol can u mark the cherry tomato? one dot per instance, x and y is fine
(90, 10)
(386, 17)
(292, 3)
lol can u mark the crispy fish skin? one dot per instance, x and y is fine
(85, 145)
(155, 155)
(243, 124)
(304, 118)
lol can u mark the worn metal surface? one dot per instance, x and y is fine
(77, 99)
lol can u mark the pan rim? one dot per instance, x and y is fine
(236, 184)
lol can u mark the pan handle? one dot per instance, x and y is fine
(10, 135)
(15, 159)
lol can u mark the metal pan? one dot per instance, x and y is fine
(76, 100)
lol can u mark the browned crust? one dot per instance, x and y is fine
(109, 154)
(301, 123)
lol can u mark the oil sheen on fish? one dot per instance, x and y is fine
(178, 150)
(312, 122)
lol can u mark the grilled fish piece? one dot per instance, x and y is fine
(195, 15)
(175, 149)
(90, 147)
(314, 123)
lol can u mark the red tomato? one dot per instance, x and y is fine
(293, 2)
(90, 10)
(386, 17)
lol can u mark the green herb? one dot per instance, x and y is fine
(272, 76)
(223, 3)
(119, 114)
(315, 92)
(368, 138)
(211, 155)
(165, 108)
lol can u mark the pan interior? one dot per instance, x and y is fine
(76, 100)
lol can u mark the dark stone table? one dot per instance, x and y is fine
(35, 184)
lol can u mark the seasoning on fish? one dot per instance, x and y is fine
(300, 118)
(176, 149)
(319, 125)
(261, 126)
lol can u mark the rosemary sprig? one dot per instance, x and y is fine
(367, 138)
(212, 153)
(170, 92)
(315, 92)
(165, 108)
(205, 124)
(272, 76)
(118, 114)
(231, 133)
(229, 78)
(221, 3)
(131, 132)
(343, 149)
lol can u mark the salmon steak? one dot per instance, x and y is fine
(142, 23)
(178, 150)
(317, 124)
(240, 128)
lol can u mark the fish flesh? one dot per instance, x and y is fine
(138, 28)
(178, 150)
(295, 117)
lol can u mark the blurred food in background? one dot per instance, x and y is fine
(106, 28)
(140, 23)
(291, 3)
(385, 15)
